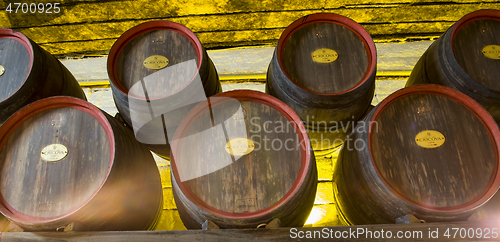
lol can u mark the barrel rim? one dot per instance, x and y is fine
(22, 39)
(470, 17)
(130, 34)
(246, 95)
(469, 103)
(479, 14)
(350, 24)
(18, 118)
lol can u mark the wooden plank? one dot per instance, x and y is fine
(400, 13)
(252, 37)
(251, 5)
(143, 9)
(417, 232)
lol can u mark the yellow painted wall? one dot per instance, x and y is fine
(92, 26)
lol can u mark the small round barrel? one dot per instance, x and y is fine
(159, 71)
(63, 161)
(324, 68)
(426, 150)
(467, 58)
(29, 73)
(252, 163)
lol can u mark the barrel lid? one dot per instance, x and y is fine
(160, 56)
(16, 60)
(436, 148)
(240, 154)
(476, 46)
(326, 54)
(55, 156)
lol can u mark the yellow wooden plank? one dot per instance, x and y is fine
(376, 20)
(168, 199)
(242, 77)
(227, 6)
(101, 11)
(170, 220)
(227, 22)
(241, 38)
(94, 83)
(144, 9)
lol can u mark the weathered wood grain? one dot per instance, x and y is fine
(467, 48)
(15, 61)
(152, 102)
(30, 74)
(277, 179)
(383, 173)
(306, 85)
(54, 188)
(106, 181)
(334, 77)
(450, 175)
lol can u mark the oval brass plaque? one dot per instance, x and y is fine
(492, 52)
(155, 62)
(324, 55)
(54, 152)
(430, 139)
(240, 146)
(2, 70)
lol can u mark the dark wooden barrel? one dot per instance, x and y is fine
(324, 68)
(466, 57)
(243, 162)
(426, 150)
(63, 160)
(29, 73)
(159, 70)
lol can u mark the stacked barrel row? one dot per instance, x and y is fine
(242, 159)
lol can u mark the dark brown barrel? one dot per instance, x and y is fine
(467, 58)
(243, 162)
(29, 73)
(159, 70)
(63, 160)
(324, 68)
(426, 150)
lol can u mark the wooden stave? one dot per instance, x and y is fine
(207, 73)
(126, 154)
(439, 62)
(292, 213)
(349, 106)
(379, 204)
(46, 73)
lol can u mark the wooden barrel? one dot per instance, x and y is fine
(242, 159)
(29, 73)
(324, 68)
(65, 161)
(467, 58)
(426, 150)
(159, 70)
